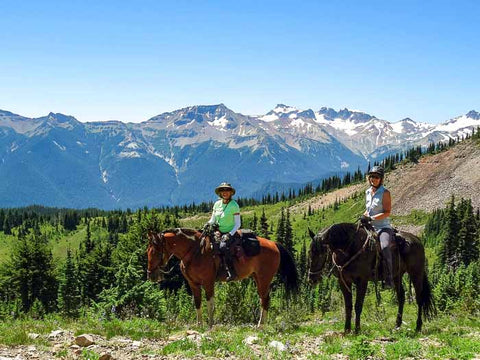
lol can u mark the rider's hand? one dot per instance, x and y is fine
(226, 237)
(206, 227)
(365, 219)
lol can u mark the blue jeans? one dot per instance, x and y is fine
(386, 237)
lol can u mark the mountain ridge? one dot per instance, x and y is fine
(178, 157)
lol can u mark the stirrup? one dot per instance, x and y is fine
(231, 276)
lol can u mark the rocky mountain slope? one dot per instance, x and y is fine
(426, 185)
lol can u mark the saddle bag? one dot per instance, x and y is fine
(250, 243)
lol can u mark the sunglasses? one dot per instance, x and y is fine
(224, 189)
(374, 177)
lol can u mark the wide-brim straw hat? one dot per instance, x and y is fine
(224, 185)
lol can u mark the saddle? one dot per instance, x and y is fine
(249, 244)
(244, 244)
(399, 246)
(399, 242)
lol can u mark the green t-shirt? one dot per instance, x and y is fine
(224, 214)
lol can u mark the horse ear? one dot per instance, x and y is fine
(150, 235)
(311, 233)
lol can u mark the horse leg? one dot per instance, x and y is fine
(417, 280)
(416, 271)
(209, 291)
(197, 297)
(360, 297)
(263, 289)
(347, 297)
(401, 299)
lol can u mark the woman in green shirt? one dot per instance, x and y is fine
(226, 214)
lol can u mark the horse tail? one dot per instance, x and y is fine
(426, 300)
(288, 271)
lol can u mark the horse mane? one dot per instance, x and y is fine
(340, 235)
(187, 231)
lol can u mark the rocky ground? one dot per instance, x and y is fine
(64, 345)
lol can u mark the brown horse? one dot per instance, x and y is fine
(355, 262)
(200, 267)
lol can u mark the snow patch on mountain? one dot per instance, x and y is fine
(61, 147)
(458, 123)
(220, 123)
(130, 154)
(132, 145)
(105, 176)
(269, 118)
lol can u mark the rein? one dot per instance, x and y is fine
(186, 258)
(356, 255)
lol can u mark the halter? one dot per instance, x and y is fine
(321, 268)
(186, 258)
(349, 261)
(162, 251)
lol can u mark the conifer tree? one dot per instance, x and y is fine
(280, 233)
(69, 292)
(88, 239)
(288, 237)
(31, 272)
(264, 231)
(449, 255)
(7, 229)
(302, 259)
(467, 235)
(2, 219)
(254, 222)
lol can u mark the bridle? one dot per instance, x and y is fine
(323, 245)
(344, 252)
(163, 248)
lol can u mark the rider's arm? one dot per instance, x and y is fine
(237, 225)
(212, 219)
(387, 206)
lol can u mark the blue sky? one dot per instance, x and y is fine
(131, 60)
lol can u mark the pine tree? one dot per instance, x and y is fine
(264, 231)
(69, 291)
(88, 239)
(7, 229)
(449, 255)
(467, 235)
(31, 272)
(280, 233)
(2, 219)
(288, 239)
(302, 259)
(254, 222)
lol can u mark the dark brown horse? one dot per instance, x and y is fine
(355, 262)
(200, 267)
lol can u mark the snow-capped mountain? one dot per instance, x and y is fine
(180, 156)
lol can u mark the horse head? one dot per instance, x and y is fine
(158, 256)
(318, 255)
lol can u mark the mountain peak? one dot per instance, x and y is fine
(473, 115)
(61, 119)
(355, 116)
(282, 108)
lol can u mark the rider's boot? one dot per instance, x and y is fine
(388, 268)
(232, 275)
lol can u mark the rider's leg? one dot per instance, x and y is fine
(228, 260)
(385, 243)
